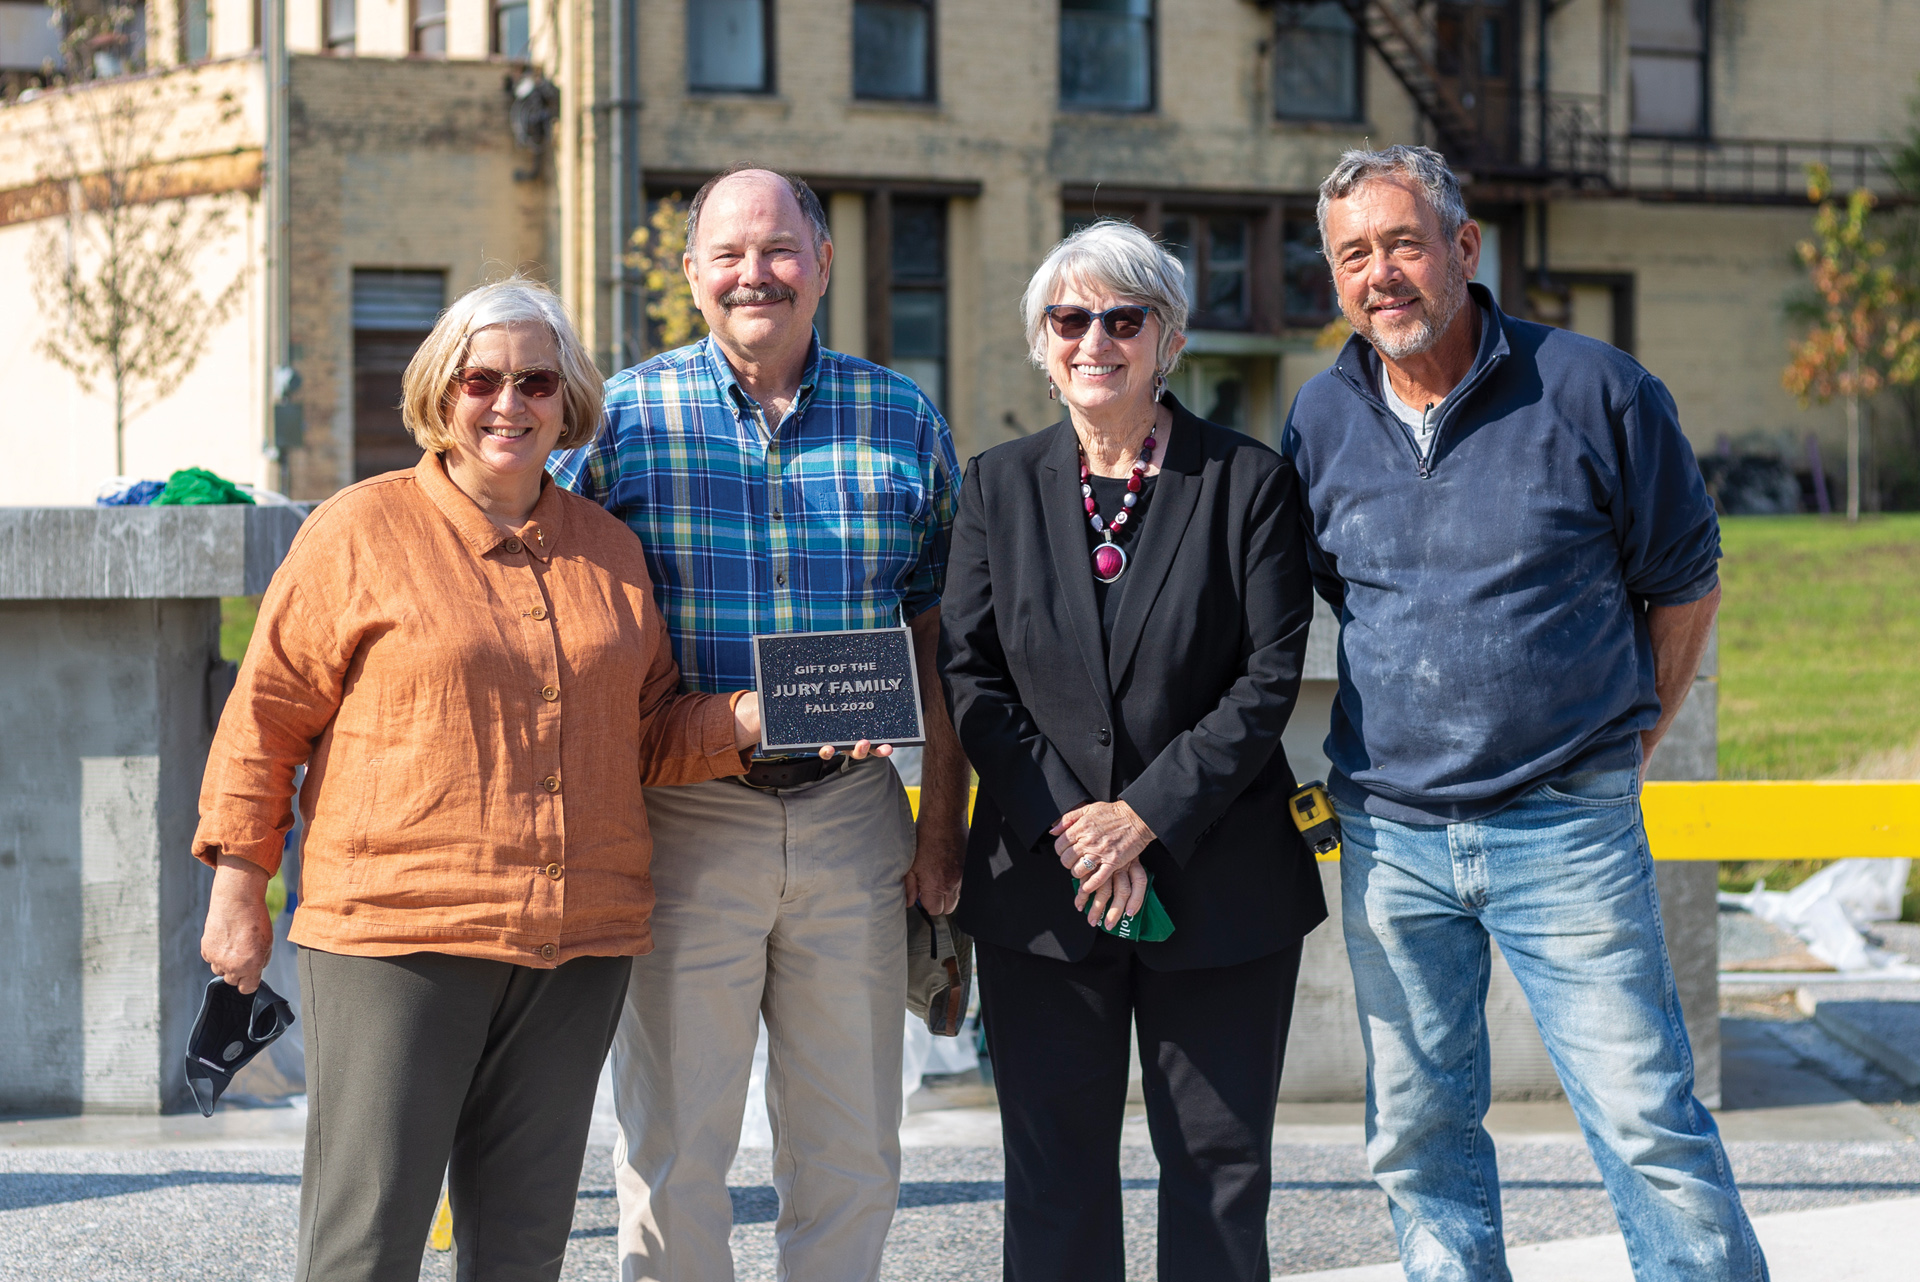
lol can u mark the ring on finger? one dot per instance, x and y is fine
(1088, 861)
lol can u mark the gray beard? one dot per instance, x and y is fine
(1427, 332)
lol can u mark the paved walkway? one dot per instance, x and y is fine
(1828, 1162)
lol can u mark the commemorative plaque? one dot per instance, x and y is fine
(820, 688)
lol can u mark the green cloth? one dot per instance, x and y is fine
(192, 485)
(1148, 926)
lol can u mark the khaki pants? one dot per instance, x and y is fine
(787, 905)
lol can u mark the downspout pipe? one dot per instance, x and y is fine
(284, 424)
(625, 190)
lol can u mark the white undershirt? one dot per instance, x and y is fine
(1423, 422)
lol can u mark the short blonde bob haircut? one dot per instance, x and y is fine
(426, 390)
(1117, 257)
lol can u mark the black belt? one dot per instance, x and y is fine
(792, 772)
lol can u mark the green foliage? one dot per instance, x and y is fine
(1819, 626)
(658, 249)
(237, 615)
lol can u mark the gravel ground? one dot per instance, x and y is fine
(228, 1216)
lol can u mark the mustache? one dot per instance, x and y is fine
(774, 293)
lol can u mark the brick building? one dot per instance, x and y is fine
(1639, 172)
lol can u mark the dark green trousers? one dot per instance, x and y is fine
(425, 1063)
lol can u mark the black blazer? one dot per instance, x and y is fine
(1181, 720)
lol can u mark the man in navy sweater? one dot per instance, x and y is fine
(1516, 538)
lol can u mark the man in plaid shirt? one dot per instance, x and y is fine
(776, 487)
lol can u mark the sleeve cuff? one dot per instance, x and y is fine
(1694, 591)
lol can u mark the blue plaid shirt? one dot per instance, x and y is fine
(838, 519)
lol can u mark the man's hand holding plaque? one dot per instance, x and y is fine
(830, 690)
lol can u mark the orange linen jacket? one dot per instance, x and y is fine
(477, 711)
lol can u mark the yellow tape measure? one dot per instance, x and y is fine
(1313, 816)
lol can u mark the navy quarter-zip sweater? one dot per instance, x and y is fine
(1492, 594)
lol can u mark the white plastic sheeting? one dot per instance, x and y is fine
(1831, 909)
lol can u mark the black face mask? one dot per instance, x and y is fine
(231, 1029)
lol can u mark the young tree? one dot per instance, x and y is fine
(117, 275)
(657, 252)
(1863, 340)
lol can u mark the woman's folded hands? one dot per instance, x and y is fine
(1100, 844)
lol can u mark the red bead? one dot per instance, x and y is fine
(1133, 483)
(1106, 560)
(1089, 503)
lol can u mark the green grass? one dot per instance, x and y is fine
(1819, 643)
(1819, 657)
(237, 614)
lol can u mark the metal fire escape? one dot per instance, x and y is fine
(1528, 143)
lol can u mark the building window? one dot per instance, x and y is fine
(1106, 54)
(393, 312)
(1308, 280)
(917, 294)
(893, 49)
(1667, 66)
(193, 30)
(512, 31)
(341, 20)
(430, 27)
(729, 46)
(1316, 62)
(1213, 248)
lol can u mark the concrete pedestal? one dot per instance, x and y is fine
(111, 684)
(1325, 1058)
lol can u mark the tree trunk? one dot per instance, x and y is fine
(119, 422)
(1853, 440)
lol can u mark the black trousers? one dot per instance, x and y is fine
(1211, 1045)
(426, 1063)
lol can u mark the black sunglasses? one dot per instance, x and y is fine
(485, 384)
(1125, 321)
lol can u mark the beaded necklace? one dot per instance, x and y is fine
(1109, 558)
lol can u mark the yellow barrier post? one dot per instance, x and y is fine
(1726, 819)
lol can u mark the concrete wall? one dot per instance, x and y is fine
(1325, 1057)
(112, 689)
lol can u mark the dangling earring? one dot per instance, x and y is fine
(1053, 391)
(1159, 385)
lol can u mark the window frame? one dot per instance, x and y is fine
(769, 72)
(1359, 112)
(1152, 103)
(329, 43)
(1268, 215)
(1704, 129)
(417, 26)
(932, 9)
(494, 10)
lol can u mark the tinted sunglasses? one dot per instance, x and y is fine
(485, 384)
(1119, 322)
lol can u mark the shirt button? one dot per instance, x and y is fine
(777, 516)
(549, 693)
(1103, 736)
(538, 612)
(551, 783)
(549, 952)
(511, 545)
(781, 578)
(553, 871)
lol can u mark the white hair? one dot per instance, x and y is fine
(1426, 168)
(1119, 258)
(426, 387)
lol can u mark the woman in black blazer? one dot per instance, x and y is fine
(1123, 730)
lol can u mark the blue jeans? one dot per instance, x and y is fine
(1563, 881)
